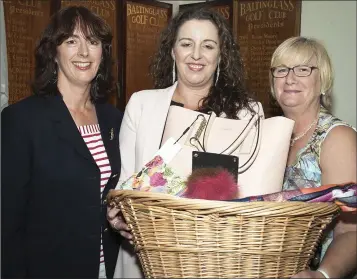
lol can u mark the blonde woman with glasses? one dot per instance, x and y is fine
(323, 147)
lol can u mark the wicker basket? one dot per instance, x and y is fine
(187, 238)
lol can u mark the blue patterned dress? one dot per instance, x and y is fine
(305, 172)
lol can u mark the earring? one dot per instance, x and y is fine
(217, 75)
(174, 72)
(323, 93)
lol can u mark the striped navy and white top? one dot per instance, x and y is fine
(93, 139)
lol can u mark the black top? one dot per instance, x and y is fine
(50, 193)
(173, 103)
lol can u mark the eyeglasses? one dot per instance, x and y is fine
(300, 71)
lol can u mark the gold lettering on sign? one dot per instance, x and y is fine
(103, 8)
(262, 26)
(26, 7)
(269, 4)
(30, 3)
(143, 28)
(24, 22)
(223, 10)
(147, 15)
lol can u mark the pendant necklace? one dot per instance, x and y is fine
(293, 140)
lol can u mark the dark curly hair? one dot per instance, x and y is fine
(229, 94)
(60, 28)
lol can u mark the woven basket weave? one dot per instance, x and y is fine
(187, 238)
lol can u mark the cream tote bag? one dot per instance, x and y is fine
(261, 145)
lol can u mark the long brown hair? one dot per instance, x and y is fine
(60, 28)
(229, 94)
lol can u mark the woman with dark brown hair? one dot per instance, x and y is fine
(197, 66)
(60, 157)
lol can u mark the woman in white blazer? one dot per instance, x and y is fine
(197, 66)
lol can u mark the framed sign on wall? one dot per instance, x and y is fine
(143, 23)
(24, 23)
(136, 26)
(261, 27)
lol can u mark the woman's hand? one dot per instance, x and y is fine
(309, 274)
(116, 220)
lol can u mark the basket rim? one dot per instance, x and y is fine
(152, 199)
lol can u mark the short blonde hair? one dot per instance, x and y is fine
(300, 50)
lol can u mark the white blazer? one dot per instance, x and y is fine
(139, 139)
(142, 127)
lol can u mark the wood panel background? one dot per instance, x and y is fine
(143, 23)
(24, 23)
(136, 26)
(261, 27)
(224, 7)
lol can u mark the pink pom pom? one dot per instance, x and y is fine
(211, 184)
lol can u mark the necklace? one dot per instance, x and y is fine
(293, 140)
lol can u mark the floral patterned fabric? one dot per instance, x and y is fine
(157, 177)
(306, 172)
(343, 195)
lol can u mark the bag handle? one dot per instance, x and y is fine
(238, 141)
(252, 158)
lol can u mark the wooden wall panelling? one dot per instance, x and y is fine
(24, 23)
(143, 24)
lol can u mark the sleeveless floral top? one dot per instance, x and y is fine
(306, 172)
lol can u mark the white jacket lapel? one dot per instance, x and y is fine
(154, 123)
